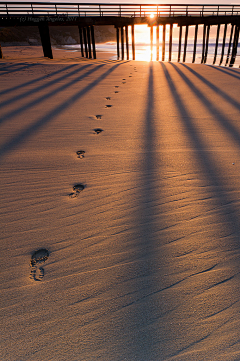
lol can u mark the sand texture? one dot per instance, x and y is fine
(120, 210)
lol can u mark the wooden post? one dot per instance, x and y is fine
(45, 39)
(163, 42)
(81, 39)
(85, 41)
(1, 54)
(127, 47)
(235, 45)
(117, 35)
(207, 41)
(203, 44)
(195, 43)
(133, 43)
(157, 42)
(89, 42)
(170, 43)
(93, 42)
(229, 45)
(180, 43)
(216, 46)
(223, 44)
(151, 41)
(185, 44)
(122, 42)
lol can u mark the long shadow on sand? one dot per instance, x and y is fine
(208, 165)
(33, 128)
(227, 212)
(34, 81)
(213, 87)
(50, 93)
(16, 67)
(147, 304)
(216, 112)
(227, 71)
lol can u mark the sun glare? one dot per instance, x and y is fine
(151, 16)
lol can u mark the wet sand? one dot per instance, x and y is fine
(120, 194)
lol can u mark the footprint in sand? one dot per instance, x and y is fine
(80, 153)
(77, 189)
(98, 130)
(38, 259)
(98, 116)
(123, 82)
(116, 92)
(123, 79)
(108, 98)
(116, 86)
(108, 106)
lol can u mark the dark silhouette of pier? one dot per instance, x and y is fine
(123, 16)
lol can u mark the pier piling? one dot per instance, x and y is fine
(170, 42)
(180, 43)
(216, 46)
(223, 43)
(229, 45)
(122, 42)
(207, 41)
(45, 39)
(81, 40)
(89, 42)
(85, 41)
(203, 42)
(185, 44)
(93, 42)
(157, 43)
(133, 42)
(195, 43)
(234, 48)
(163, 42)
(151, 41)
(127, 45)
(117, 36)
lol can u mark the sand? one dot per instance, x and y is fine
(139, 236)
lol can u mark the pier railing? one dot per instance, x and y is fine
(116, 10)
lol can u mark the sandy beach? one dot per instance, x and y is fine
(126, 176)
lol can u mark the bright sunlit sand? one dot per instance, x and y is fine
(120, 210)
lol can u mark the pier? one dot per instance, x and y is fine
(124, 17)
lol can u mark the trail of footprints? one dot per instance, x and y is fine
(40, 256)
